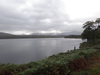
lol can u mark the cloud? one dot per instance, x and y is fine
(37, 16)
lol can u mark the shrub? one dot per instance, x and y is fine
(8, 69)
(79, 64)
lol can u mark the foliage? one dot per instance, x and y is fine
(91, 30)
(94, 67)
(87, 34)
(8, 69)
(79, 64)
(73, 36)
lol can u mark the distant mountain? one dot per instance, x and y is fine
(5, 34)
(72, 33)
(64, 33)
(44, 34)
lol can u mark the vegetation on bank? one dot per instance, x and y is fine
(91, 30)
(73, 36)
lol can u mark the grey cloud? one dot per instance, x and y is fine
(17, 15)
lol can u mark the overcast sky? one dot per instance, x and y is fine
(46, 16)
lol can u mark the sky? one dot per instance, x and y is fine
(46, 16)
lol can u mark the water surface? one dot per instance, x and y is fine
(20, 51)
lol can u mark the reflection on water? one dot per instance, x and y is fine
(26, 50)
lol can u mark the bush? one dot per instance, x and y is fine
(46, 69)
(8, 69)
(79, 64)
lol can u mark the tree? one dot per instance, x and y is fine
(88, 25)
(89, 30)
(87, 35)
(98, 21)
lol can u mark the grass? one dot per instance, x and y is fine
(83, 61)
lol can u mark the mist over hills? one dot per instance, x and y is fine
(4, 35)
(64, 33)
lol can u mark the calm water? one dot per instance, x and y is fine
(26, 50)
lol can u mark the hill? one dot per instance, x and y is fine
(5, 34)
